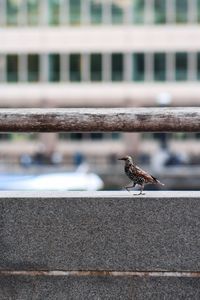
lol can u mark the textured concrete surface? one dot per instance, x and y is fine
(100, 231)
(98, 288)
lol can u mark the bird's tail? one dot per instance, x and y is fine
(157, 181)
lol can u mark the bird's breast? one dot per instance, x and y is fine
(130, 172)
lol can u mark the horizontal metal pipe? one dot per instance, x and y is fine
(102, 273)
(101, 120)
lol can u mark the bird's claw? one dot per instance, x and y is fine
(141, 193)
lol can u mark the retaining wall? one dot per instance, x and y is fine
(101, 245)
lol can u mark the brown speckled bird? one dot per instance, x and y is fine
(137, 175)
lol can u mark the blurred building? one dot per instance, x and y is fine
(98, 53)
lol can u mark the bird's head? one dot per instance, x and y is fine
(127, 159)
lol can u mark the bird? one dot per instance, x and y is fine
(137, 175)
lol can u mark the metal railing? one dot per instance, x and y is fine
(180, 119)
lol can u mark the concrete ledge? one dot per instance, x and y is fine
(97, 194)
(111, 231)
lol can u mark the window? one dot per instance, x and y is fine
(197, 135)
(12, 68)
(76, 136)
(5, 136)
(138, 11)
(117, 12)
(117, 67)
(181, 11)
(160, 11)
(54, 10)
(115, 135)
(33, 12)
(181, 66)
(198, 65)
(2, 67)
(75, 67)
(22, 136)
(75, 11)
(54, 67)
(96, 67)
(96, 136)
(159, 66)
(198, 10)
(33, 67)
(96, 11)
(138, 67)
(13, 7)
(182, 136)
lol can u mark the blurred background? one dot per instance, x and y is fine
(100, 53)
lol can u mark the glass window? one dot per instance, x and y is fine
(160, 11)
(183, 135)
(13, 7)
(33, 67)
(64, 135)
(117, 12)
(2, 67)
(96, 136)
(33, 12)
(198, 10)
(117, 67)
(12, 68)
(115, 135)
(197, 135)
(138, 11)
(138, 66)
(76, 136)
(96, 67)
(198, 65)
(96, 11)
(159, 66)
(75, 67)
(75, 11)
(54, 12)
(181, 66)
(54, 67)
(5, 136)
(181, 11)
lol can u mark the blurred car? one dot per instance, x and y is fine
(56, 181)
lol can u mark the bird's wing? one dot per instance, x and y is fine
(144, 174)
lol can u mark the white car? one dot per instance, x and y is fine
(55, 181)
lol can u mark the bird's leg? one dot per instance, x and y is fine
(141, 190)
(129, 187)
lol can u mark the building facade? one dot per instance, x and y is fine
(98, 53)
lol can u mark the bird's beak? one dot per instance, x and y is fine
(121, 158)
